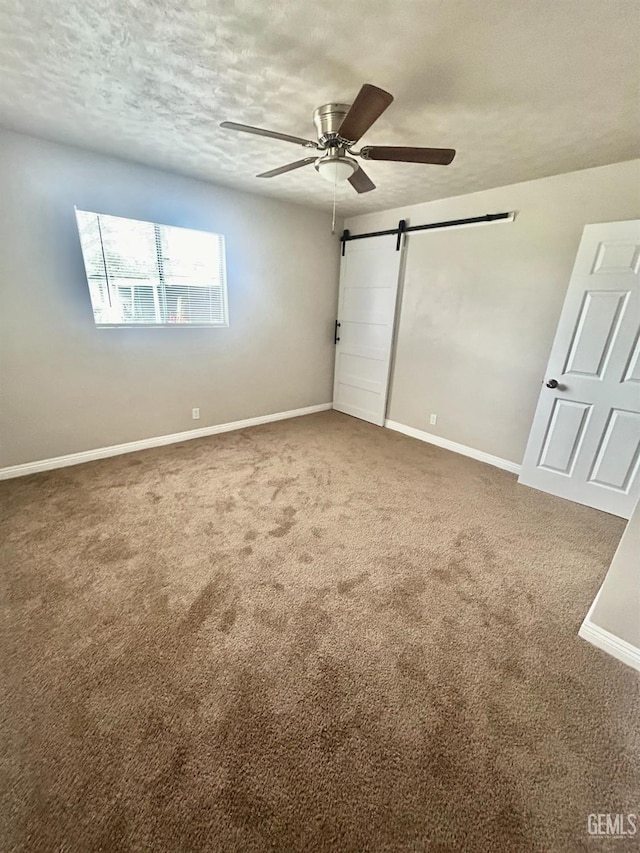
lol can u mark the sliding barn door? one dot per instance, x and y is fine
(585, 439)
(366, 314)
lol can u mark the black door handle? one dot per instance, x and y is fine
(552, 383)
(336, 336)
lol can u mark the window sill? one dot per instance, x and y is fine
(161, 325)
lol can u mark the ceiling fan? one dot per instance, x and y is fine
(339, 127)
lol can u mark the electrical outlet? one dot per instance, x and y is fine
(195, 414)
(433, 420)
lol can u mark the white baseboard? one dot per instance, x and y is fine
(146, 443)
(609, 643)
(429, 437)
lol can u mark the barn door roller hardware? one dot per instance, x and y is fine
(403, 228)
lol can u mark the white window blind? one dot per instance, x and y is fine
(143, 274)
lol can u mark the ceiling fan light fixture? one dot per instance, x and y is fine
(336, 169)
(338, 128)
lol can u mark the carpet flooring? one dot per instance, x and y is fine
(314, 635)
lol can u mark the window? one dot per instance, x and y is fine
(142, 274)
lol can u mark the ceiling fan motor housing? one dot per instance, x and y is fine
(327, 120)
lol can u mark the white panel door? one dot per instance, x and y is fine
(366, 311)
(585, 439)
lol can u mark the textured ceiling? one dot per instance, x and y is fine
(522, 88)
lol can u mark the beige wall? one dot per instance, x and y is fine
(480, 305)
(67, 386)
(617, 607)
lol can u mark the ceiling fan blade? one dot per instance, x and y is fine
(272, 134)
(368, 106)
(361, 182)
(402, 154)
(288, 168)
